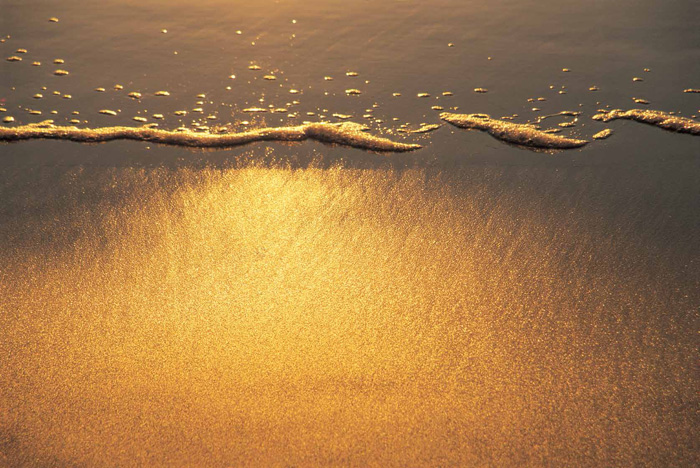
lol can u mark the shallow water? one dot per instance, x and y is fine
(471, 303)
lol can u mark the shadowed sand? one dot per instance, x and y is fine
(346, 133)
(518, 134)
(659, 119)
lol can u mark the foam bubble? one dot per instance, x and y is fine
(602, 135)
(425, 128)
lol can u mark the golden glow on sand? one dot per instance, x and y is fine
(327, 317)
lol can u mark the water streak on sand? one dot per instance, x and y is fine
(347, 134)
(518, 134)
(659, 119)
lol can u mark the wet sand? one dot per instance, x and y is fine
(177, 298)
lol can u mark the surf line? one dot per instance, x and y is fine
(659, 119)
(517, 134)
(345, 134)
